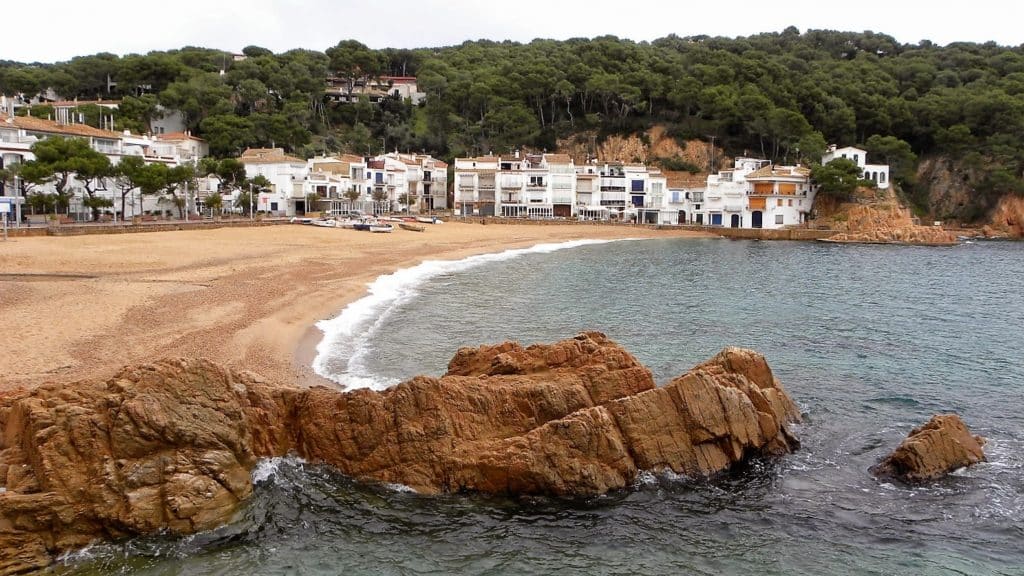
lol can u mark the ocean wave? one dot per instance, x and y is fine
(267, 469)
(342, 354)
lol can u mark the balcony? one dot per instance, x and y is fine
(466, 197)
(562, 199)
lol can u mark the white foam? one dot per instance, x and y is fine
(267, 468)
(342, 353)
(402, 488)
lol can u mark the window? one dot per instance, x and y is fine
(790, 202)
(778, 202)
(881, 177)
(778, 218)
(637, 186)
(273, 206)
(698, 207)
(537, 181)
(856, 158)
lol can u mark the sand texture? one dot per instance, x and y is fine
(84, 306)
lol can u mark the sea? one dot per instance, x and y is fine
(870, 341)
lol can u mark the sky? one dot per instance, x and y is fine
(67, 28)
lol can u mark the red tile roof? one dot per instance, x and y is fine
(34, 124)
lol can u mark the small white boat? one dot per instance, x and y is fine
(298, 220)
(429, 220)
(382, 228)
(324, 223)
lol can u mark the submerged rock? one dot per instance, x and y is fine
(940, 446)
(171, 445)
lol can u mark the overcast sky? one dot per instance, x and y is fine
(60, 29)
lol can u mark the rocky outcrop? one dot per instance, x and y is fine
(931, 451)
(165, 446)
(171, 445)
(883, 222)
(1007, 219)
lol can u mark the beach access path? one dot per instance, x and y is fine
(82, 307)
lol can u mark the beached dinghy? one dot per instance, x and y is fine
(411, 227)
(381, 228)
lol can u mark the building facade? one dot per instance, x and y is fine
(19, 133)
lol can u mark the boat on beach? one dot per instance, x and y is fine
(382, 228)
(429, 219)
(411, 227)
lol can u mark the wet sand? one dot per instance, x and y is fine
(83, 306)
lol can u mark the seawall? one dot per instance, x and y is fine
(741, 233)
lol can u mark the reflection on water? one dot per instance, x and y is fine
(870, 341)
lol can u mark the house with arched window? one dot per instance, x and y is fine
(877, 173)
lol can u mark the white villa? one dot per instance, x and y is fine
(416, 182)
(287, 176)
(877, 173)
(552, 186)
(19, 133)
(375, 89)
(753, 194)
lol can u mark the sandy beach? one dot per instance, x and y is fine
(83, 306)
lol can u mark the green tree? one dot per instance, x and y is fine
(896, 153)
(57, 159)
(380, 197)
(227, 134)
(839, 178)
(127, 175)
(214, 202)
(92, 169)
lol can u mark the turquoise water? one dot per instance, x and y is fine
(869, 340)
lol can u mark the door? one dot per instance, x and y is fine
(755, 218)
(735, 221)
(716, 219)
(682, 216)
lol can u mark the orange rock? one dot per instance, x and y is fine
(932, 450)
(171, 445)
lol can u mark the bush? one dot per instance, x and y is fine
(678, 164)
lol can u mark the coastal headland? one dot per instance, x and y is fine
(84, 306)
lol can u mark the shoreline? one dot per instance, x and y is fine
(249, 298)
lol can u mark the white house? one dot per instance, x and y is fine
(19, 133)
(778, 196)
(287, 176)
(753, 194)
(375, 89)
(877, 173)
(528, 186)
(475, 184)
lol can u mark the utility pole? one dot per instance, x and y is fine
(252, 215)
(186, 201)
(711, 156)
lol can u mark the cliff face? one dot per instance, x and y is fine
(949, 189)
(876, 217)
(952, 194)
(170, 446)
(646, 148)
(1007, 219)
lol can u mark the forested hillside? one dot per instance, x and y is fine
(780, 95)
